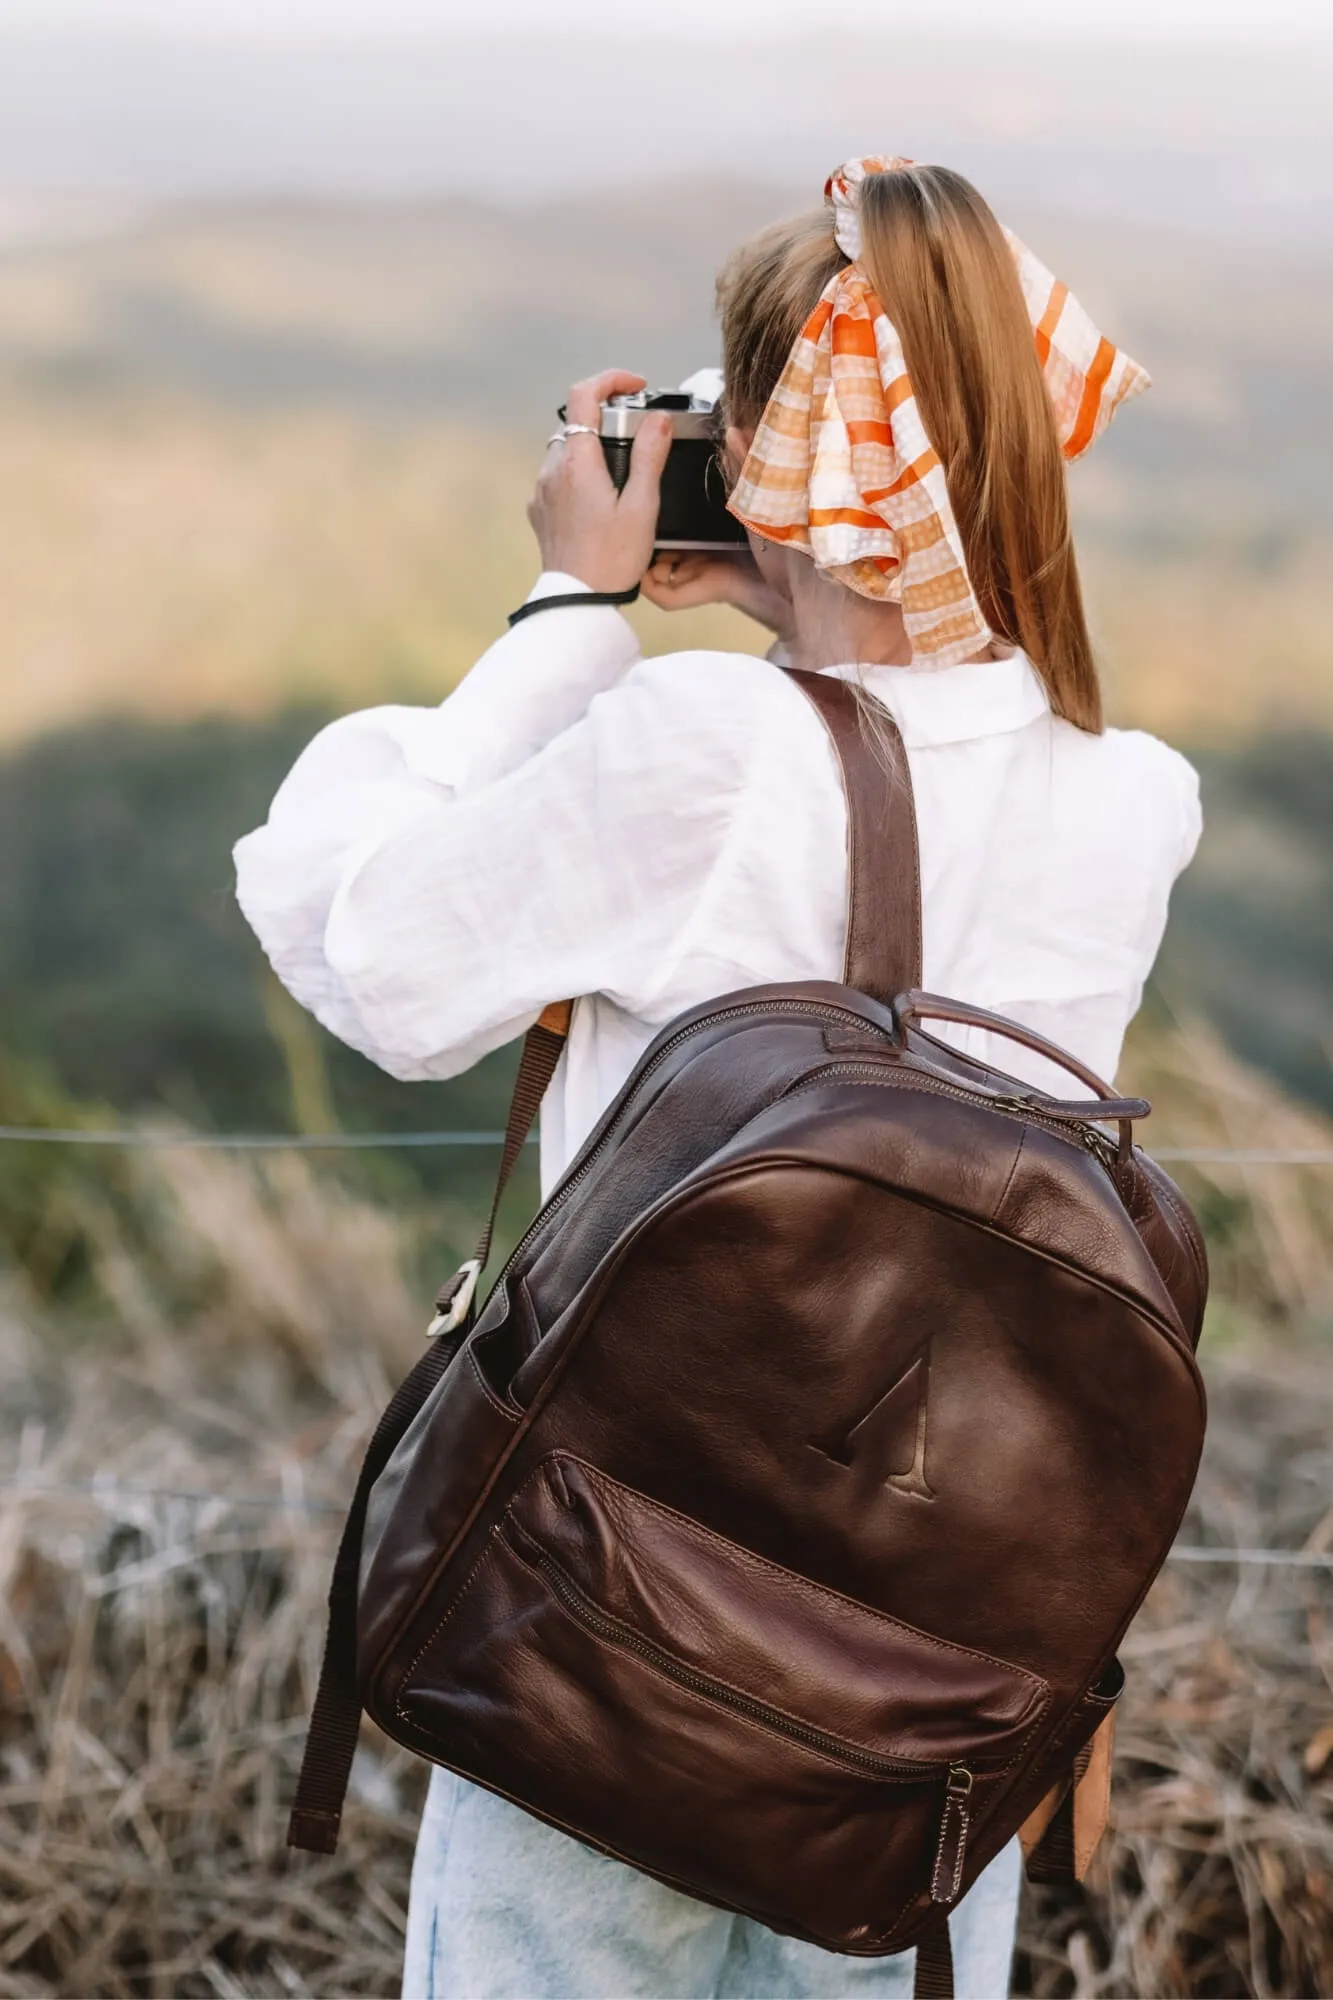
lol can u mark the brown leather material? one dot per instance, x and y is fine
(883, 956)
(774, 1525)
(543, 1046)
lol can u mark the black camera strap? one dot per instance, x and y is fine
(571, 597)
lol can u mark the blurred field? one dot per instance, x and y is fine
(173, 560)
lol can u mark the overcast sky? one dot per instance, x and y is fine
(319, 19)
(1209, 114)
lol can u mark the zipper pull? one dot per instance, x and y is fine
(946, 1877)
(1099, 1144)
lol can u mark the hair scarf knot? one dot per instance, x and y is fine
(841, 466)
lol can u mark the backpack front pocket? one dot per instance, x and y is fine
(708, 1715)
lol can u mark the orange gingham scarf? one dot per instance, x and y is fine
(841, 466)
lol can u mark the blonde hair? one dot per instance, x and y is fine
(944, 273)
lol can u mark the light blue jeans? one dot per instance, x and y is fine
(505, 1908)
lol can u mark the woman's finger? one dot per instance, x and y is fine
(684, 582)
(584, 403)
(675, 572)
(648, 455)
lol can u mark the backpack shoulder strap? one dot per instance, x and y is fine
(883, 957)
(336, 1719)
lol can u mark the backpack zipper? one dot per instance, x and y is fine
(1074, 1132)
(951, 1843)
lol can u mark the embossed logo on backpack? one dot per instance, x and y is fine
(892, 1433)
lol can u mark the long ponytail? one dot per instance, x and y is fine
(944, 273)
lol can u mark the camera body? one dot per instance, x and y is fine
(693, 511)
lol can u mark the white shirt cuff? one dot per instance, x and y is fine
(555, 583)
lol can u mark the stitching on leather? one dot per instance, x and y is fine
(951, 1806)
(918, 937)
(821, 1593)
(964, 1822)
(485, 1556)
(901, 1079)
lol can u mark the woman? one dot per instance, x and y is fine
(902, 383)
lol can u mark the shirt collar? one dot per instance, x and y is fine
(956, 704)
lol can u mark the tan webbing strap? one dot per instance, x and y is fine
(883, 957)
(1061, 1835)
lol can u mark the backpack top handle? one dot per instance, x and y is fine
(910, 1009)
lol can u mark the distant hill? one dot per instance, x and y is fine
(257, 452)
(482, 312)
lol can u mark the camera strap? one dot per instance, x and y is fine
(571, 597)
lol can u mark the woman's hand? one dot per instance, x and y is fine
(681, 582)
(583, 526)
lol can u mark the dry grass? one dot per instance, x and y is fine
(173, 1497)
(170, 1493)
(1217, 1878)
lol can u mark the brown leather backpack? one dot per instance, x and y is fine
(774, 1526)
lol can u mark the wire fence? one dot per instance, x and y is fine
(240, 1142)
(113, 1493)
(146, 1139)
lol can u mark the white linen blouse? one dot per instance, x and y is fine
(646, 834)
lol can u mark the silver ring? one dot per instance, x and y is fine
(580, 430)
(556, 437)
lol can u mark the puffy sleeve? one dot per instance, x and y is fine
(429, 879)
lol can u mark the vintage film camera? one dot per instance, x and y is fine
(693, 512)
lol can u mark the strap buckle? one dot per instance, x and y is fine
(454, 1301)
